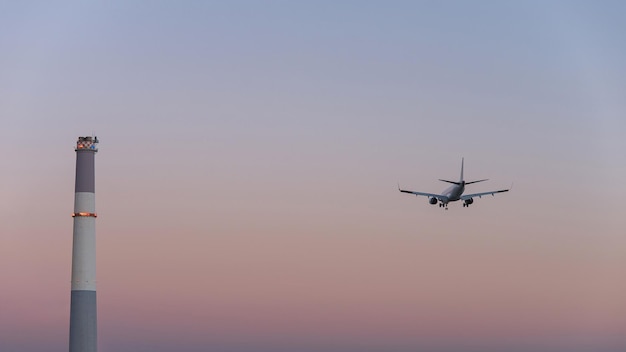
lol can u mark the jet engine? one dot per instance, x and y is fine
(468, 201)
(432, 200)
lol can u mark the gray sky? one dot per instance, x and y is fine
(249, 156)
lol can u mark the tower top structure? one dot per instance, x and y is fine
(87, 143)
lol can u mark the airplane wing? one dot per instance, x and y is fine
(438, 196)
(468, 196)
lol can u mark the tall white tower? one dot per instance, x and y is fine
(83, 318)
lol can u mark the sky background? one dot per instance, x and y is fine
(248, 167)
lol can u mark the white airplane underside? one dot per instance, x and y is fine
(454, 193)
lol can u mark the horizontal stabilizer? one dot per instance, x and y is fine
(456, 183)
(467, 183)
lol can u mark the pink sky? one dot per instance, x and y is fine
(248, 165)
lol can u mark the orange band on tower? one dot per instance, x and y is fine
(93, 215)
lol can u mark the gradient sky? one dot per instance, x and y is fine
(249, 158)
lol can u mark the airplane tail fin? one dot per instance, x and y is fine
(470, 182)
(461, 179)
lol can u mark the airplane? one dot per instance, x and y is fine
(454, 192)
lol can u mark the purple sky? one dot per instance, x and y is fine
(248, 165)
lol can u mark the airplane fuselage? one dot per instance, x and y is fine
(454, 192)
